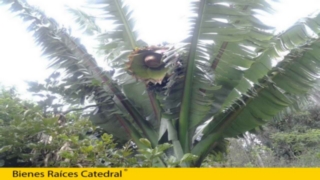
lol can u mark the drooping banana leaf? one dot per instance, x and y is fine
(272, 93)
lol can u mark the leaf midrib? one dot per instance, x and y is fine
(184, 117)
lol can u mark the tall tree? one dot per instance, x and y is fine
(231, 75)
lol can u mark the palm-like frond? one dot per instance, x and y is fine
(116, 45)
(65, 52)
(86, 22)
(156, 102)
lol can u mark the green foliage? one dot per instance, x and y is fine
(295, 137)
(306, 138)
(149, 155)
(290, 141)
(27, 138)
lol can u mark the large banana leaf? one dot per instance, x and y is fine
(226, 40)
(275, 90)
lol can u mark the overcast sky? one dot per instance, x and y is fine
(157, 20)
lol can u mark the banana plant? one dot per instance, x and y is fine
(230, 76)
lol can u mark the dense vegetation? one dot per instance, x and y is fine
(31, 138)
(178, 103)
(290, 141)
